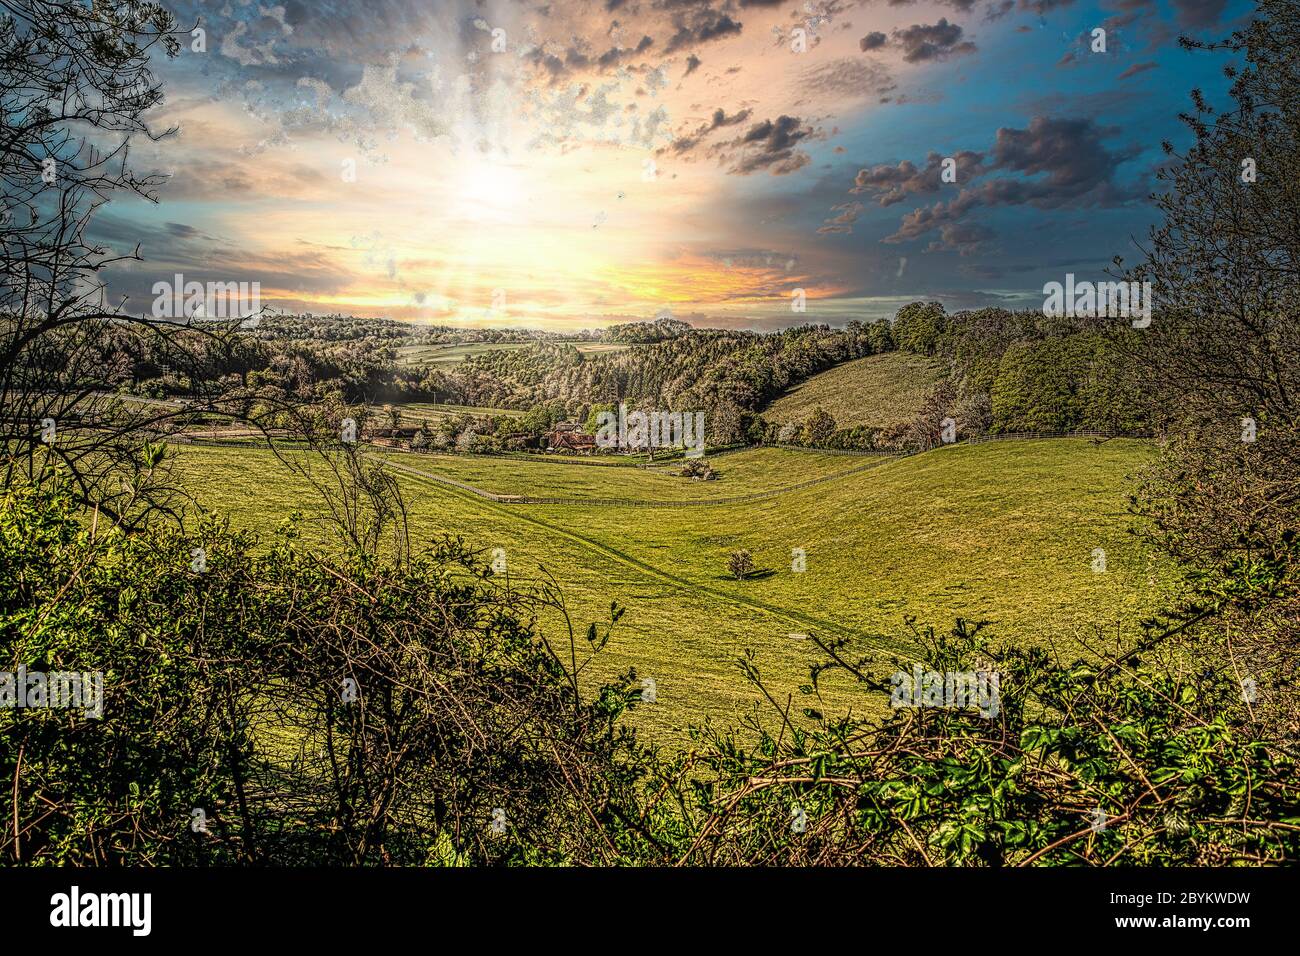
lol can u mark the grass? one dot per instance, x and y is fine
(1002, 531)
(444, 355)
(748, 472)
(877, 391)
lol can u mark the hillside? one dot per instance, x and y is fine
(876, 391)
(1003, 531)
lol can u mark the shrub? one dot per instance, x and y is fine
(316, 709)
(698, 468)
(740, 564)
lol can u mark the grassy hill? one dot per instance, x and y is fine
(1002, 531)
(877, 391)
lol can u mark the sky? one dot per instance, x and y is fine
(567, 165)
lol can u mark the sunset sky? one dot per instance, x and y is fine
(622, 157)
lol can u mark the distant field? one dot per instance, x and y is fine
(877, 391)
(416, 412)
(441, 355)
(752, 471)
(1003, 531)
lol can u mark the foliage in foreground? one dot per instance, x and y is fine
(284, 707)
(348, 710)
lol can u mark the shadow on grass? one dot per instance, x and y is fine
(751, 576)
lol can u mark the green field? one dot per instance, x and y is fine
(1003, 531)
(877, 391)
(454, 354)
(748, 472)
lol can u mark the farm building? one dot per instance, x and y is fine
(570, 440)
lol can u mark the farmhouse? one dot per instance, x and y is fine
(568, 436)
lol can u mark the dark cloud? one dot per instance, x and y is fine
(872, 41)
(934, 41)
(965, 238)
(615, 56)
(182, 231)
(892, 184)
(684, 144)
(771, 145)
(700, 27)
(1068, 153)
(692, 64)
(1057, 163)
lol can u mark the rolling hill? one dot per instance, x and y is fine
(877, 391)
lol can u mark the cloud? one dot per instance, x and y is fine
(703, 26)
(872, 41)
(848, 77)
(965, 238)
(892, 184)
(771, 145)
(842, 223)
(1053, 163)
(1137, 68)
(692, 64)
(614, 56)
(684, 144)
(1070, 156)
(935, 41)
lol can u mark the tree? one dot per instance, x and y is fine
(1221, 359)
(818, 427)
(75, 87)
(919, 326)
(698, 468)
(725, 423)
(740, 564)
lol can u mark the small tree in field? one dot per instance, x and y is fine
(741, 564)
(818, 427)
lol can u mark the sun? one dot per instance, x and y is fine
(487, 190)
